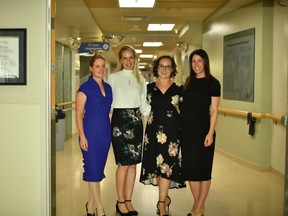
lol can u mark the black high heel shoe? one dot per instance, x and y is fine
(132, 212)
(101, 215)
(167, 203)
(118, 210)
(158, 210)
(88, 214)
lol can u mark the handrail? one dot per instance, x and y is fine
(65, 104)
(274, 117)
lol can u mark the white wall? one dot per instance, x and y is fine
(266, 148)
(279, 89)
(24, 114)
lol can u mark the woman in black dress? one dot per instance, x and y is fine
(129, 105)
(161, 158)
(199, 112)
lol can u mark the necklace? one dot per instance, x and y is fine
(127, 77)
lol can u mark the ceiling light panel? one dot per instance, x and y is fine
(160, 27)
(136, 3)
(146, 56)
(152, 44)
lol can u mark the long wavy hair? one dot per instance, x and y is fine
(192, 74)
(156, 65)
(136, 71)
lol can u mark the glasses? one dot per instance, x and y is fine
(163, 67)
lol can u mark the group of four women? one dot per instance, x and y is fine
(175, 147)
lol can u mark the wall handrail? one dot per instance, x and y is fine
(63, 104)
(273, 117)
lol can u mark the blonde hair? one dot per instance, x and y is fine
(136, 71)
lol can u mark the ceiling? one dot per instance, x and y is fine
(97, 20)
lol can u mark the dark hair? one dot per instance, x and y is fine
(192, 74)
(156, 64)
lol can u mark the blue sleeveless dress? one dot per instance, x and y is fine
(97, 130)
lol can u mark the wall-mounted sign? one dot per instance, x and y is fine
(93, 46)
(13, 56)
(238, 66)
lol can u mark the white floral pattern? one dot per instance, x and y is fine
(161, 140)
(161, 137)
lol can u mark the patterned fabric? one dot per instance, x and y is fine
(127, 136)
(161, 151)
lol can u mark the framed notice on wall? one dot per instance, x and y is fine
(13, 56)
(238, 66)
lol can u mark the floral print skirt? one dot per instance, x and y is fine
(127, 136)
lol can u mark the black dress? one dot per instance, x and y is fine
(197, 160)
(161, 149)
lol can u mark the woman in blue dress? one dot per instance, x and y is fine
(93, 103)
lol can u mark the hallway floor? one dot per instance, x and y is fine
(236, 190)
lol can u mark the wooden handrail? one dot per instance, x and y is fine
(274, 117)
(65, 103)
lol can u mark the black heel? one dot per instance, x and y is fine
(118, 210)
(88, 214)
(168, 202)
(132, 212)
(103, 213)
(158, 210)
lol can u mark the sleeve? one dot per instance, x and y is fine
(145, 108)
(83, 89)
(216, 88)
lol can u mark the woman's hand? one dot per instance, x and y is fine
(208, 139)
(83, 143)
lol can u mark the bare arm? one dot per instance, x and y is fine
(79, 107)
(213, 120)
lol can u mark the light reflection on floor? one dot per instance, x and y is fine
(236, 190)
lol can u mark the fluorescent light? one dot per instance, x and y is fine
(136, 3)
(142, 63)
(142, 67)
(160, 27)
(135, 18)
(138, 50)
(152, 44)
(146, 56)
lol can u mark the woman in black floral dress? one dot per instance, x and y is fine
(161, 151)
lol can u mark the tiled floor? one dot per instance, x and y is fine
(236, 190)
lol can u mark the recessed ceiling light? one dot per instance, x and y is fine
(146, 56)
(138, 50)
(136, 3)
(152, 44)
(160, 27)
(135, 18)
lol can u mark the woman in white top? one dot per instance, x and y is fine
(129, 104)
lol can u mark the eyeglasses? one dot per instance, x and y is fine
(163, 67)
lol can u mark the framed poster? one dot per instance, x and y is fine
(13, 56)
(238, 66)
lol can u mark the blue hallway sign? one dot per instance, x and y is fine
(93, 46)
